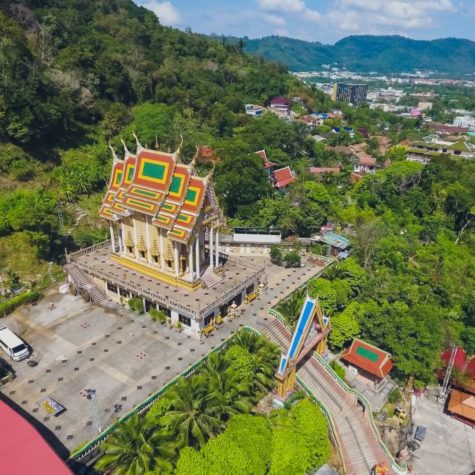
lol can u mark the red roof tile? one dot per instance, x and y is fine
(283, 177)
(318, 170)
(267, 163)
(369, 358)
(280, 101)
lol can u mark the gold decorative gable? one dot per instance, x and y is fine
(154, 250)
(141, 245)
(129, 242)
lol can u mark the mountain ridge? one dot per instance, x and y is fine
(364, 53)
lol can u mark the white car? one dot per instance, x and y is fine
(12, 345)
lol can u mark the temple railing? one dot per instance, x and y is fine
(87, 250)
(113, 278)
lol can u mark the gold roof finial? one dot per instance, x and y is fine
(126, 150)
(114, 155)
(139, 145)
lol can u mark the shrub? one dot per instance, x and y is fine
(394, 396)
(292, 259)
(136, 304)
(158, 315)
(339, 370)
(275, 254)
(15, 302)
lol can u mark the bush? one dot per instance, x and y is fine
(394, 396)
(292, 259)
(275, 255)
(136, 305)
(339, 370)
(158, 316)
(15, 302)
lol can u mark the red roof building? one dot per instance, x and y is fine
(370, 360)
(283, 178)
(325, 170)
(465, 367)
(23, 450)
(268, 165)
(280, 104)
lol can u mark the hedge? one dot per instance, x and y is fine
(15, 302)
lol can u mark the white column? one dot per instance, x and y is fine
(211, 248)
(136, 249)
(175, 247)
(147, 236)
(190, 259)
(112, 237)
(197, 255)
(123, 235)
(217, 247)
(162, 258)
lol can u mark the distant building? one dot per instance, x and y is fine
(268, 165)
(352, 93)
(423, 151)
(424, 106)
(325, 170)
(283, 178)
(446, 129)
(281, 105)
(465, 121)
(254, 110)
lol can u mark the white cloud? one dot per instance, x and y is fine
(290, 6)
(282, 5)
(166, 12)
(385, 17)
(281, 32)
(274, 19)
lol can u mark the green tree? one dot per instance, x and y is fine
(344, 326)
(135, 448)
(192, 418)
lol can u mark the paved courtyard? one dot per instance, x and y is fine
(449, 445)
(124, 357)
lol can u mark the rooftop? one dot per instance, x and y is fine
(237, 272)
(462, 404)
(23, 450)
(283, 177)
(369, 358)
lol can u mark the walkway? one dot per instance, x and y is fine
(359, 445)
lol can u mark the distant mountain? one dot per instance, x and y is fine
(385, 54)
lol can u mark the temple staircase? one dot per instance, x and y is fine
(83, 282)
(359, 445)
(210, 278)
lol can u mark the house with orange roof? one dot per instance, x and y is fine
(282, 178)
(268, 165)
(369, 361)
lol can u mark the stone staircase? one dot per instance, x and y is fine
(210, 278)
(359, 446)
(83, 282)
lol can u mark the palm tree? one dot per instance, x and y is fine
(192, 418)
(225, 387)
(135, 448)
(291, 306)
(264, 355)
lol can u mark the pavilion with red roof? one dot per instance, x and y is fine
(268, 165)
(282, 178)
(371, 362)
(23, 450)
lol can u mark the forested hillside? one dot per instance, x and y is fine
(385, 54)
(74, 76)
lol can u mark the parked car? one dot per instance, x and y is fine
(6, 372)
(13, 346)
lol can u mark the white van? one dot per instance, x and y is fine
(12, 345)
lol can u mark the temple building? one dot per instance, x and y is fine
(164, 245)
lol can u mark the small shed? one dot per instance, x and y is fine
(371, 362)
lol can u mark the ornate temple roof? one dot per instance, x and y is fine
(156, 184)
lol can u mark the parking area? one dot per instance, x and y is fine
(449, 445)
(123, 356)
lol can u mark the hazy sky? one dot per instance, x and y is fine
(320, 20)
